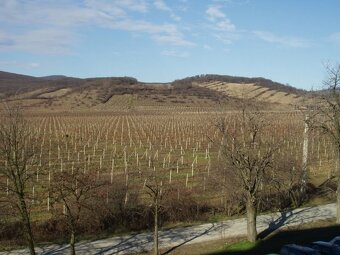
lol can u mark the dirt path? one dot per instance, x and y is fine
(176, 237)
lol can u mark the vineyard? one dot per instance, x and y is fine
(182, 149)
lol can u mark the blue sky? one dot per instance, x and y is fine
(288, 41)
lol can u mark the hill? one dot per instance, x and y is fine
(256, 89)
(58, 92)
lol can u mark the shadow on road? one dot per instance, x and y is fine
(87, 248)
(275, 224)
(196, 235)
(274, 242)
(125, 244)
(139, 242)
(272, 237)
(288, 217)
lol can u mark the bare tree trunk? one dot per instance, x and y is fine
(14, 137)
(251, 220)
(305, 158)
(155, 238)
(73, 243)
(27, 225)
(338, 200)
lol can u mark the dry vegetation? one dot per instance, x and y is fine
(111, 153)
(205, 92)
(121, 151)
(254, 92)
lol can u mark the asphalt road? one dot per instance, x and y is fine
(170, 239)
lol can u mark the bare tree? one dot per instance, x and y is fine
(248, 149)
(18, 167)
(156, 192)
(304, 176)
(76, 190)
(326, 117)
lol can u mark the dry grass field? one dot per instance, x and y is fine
(181, 147)
(255, 92)
(208, 92)
(130, 136)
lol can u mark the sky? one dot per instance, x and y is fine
(288, 41)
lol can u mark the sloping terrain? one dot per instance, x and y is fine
(63, 93)
(255, 92)
(254, 89)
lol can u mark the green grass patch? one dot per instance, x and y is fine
(240, 246)
(303, 234)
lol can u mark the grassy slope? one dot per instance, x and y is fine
(121, 93)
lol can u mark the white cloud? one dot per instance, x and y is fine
(6, 40)
(224, 29)
(225, 25)
(226, 38)
(133, 5)
(173, 53)
(44, 13)
(143, 26)
(335, 37)
(293, 42)
(214, 12)
(162, 6)
(117, 7)
(47, 41)
(174, 40)
(175, 17)
(240, 2)
(49, 26)
(26, 65)
(165, 34)
(207, 47)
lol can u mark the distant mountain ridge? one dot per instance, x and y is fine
(210, 90)
(54, 77)
(13, 79)
(205, 78)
